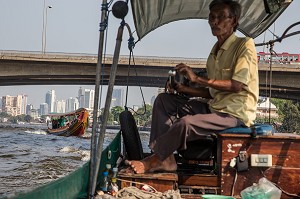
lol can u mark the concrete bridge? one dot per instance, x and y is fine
(35, 68)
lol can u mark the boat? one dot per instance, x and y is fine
(232, 161)
(74, 123)
(252, 162)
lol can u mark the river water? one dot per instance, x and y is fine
(29, 157)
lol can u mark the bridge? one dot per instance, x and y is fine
(35, 68)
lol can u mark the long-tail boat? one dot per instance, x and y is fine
(227, 163)
(75, 125)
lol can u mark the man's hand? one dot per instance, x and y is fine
(187, 72)
(169, 88)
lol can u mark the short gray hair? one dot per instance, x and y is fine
(234, 7)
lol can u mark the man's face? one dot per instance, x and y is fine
(220, 21)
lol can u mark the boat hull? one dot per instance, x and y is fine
(76, 128)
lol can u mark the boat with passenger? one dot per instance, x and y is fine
(217, 166)
(72, 123)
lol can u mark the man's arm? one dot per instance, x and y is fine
(195, 92)
(223, 85)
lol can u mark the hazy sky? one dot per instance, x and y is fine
(72, 27)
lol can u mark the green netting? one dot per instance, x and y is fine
(75, 185)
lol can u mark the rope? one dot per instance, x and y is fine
(131, 45)
(140, 183)
(133, 192)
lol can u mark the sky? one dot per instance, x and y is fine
(73, 27)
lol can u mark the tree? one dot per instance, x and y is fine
(4, 114)
(144, 115)
(115, 111)
(110, 118)
(28, 118)
(291, 119)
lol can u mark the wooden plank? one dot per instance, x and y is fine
(197, 180)
(160, 181)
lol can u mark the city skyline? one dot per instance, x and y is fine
(36, 103)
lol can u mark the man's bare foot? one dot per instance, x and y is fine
(152, 163)
(127, 170)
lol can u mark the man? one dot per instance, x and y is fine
(232, 86)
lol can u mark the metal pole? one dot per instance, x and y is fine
(110, 88)
(92, 176)
(43, 31)
(271, 79)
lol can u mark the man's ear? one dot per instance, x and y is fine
(234, 22)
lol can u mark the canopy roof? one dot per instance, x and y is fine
(256, 17)
(78, 111)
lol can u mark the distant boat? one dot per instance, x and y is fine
(74, 123)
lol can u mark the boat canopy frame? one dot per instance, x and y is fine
(257, 18)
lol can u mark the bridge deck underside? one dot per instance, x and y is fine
(23, 72)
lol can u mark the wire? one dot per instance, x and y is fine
(274, 35)
(285, 192)
(234, 181)
(283, 36)
(272, 52)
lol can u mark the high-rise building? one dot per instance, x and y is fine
(81, 97)
(14, 105)
(44, 110)
(86, 98)
(89, 98)
(23, 103)
(28, 108)
(72, 104)
(50, 100)
(117, 97)
(34, 114)
(60, 106)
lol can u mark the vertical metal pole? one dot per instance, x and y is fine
(43, 30)
(111, 83)
(92, 178)
(271, 79)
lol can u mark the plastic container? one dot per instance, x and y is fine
(263, 190)
(104, 183)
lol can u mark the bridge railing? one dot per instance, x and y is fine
(12, 54)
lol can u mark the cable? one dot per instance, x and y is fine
(283, 191)
(234, 181)
(272, 52)
(283, 36)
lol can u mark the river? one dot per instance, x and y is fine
(29, 157)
